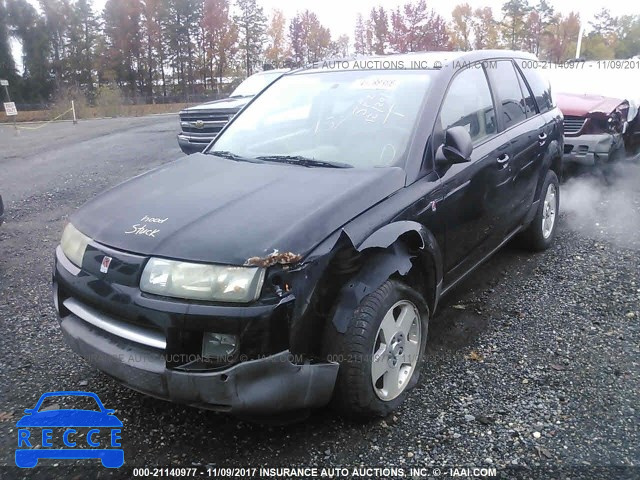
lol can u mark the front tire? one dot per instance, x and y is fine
(540, 233)
(380, 354)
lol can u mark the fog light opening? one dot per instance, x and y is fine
(219, 346)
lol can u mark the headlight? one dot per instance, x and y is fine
(201, 282)
(73, 244)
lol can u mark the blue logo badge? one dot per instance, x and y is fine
(37, 428)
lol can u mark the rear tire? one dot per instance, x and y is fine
(540, 233)
(385, 338)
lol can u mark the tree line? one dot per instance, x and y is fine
(541, 30)
(160, 48)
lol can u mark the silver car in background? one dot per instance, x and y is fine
(202, 123)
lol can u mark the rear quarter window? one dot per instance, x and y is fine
(540, 87)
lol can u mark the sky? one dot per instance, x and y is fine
(340, 15)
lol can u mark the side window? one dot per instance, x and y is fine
(505, 81)
(540, 87)
(468, 103)
(529, 102)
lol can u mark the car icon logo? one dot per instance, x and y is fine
(199, 124)
(106, 261)
(66, 433)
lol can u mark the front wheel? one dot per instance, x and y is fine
(542, 230)
(380, 354)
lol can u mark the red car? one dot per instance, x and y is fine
(594, 127)
(600, 107)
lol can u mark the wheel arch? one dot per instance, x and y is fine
(405, 249)
(552, 161)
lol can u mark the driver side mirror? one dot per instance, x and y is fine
(457, 147)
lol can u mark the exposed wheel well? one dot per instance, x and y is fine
(422, 276)
(345, 265)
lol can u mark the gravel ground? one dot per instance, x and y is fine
(531, 365)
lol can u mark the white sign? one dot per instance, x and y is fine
(10, 108)
(4, 83)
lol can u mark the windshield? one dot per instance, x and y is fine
(254, 84)
(352, 118)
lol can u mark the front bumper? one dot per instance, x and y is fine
(192, 144)
(258, 387)
(152, 345)
(590, 149)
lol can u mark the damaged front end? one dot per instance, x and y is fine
(272, 357)
(232, 358)
(594, 127)
(330, 283)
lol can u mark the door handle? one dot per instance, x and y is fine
(542, 137)
(502, 159)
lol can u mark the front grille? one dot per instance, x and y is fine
(206, 123)
(573, 124)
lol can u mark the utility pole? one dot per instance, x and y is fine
(579, 46)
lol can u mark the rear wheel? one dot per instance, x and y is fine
(542, 230)
(381, 351)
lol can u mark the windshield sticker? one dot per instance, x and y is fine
(143, 229)
(376, 83)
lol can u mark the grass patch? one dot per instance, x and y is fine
(95, 112)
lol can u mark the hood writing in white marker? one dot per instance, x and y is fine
(142, 229)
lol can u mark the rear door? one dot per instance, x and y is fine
(476, 194)
(524, 128)
(541, 90)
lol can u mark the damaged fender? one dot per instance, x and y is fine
(372, 275)
(396, 258)
(388, 234)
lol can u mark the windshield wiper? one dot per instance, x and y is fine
(232, 156)
(303, 161)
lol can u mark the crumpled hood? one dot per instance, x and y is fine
(583, 105)
(209, 209)
(222, 104)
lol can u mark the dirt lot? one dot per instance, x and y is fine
(532, 363)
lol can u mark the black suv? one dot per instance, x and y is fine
(298, 260)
